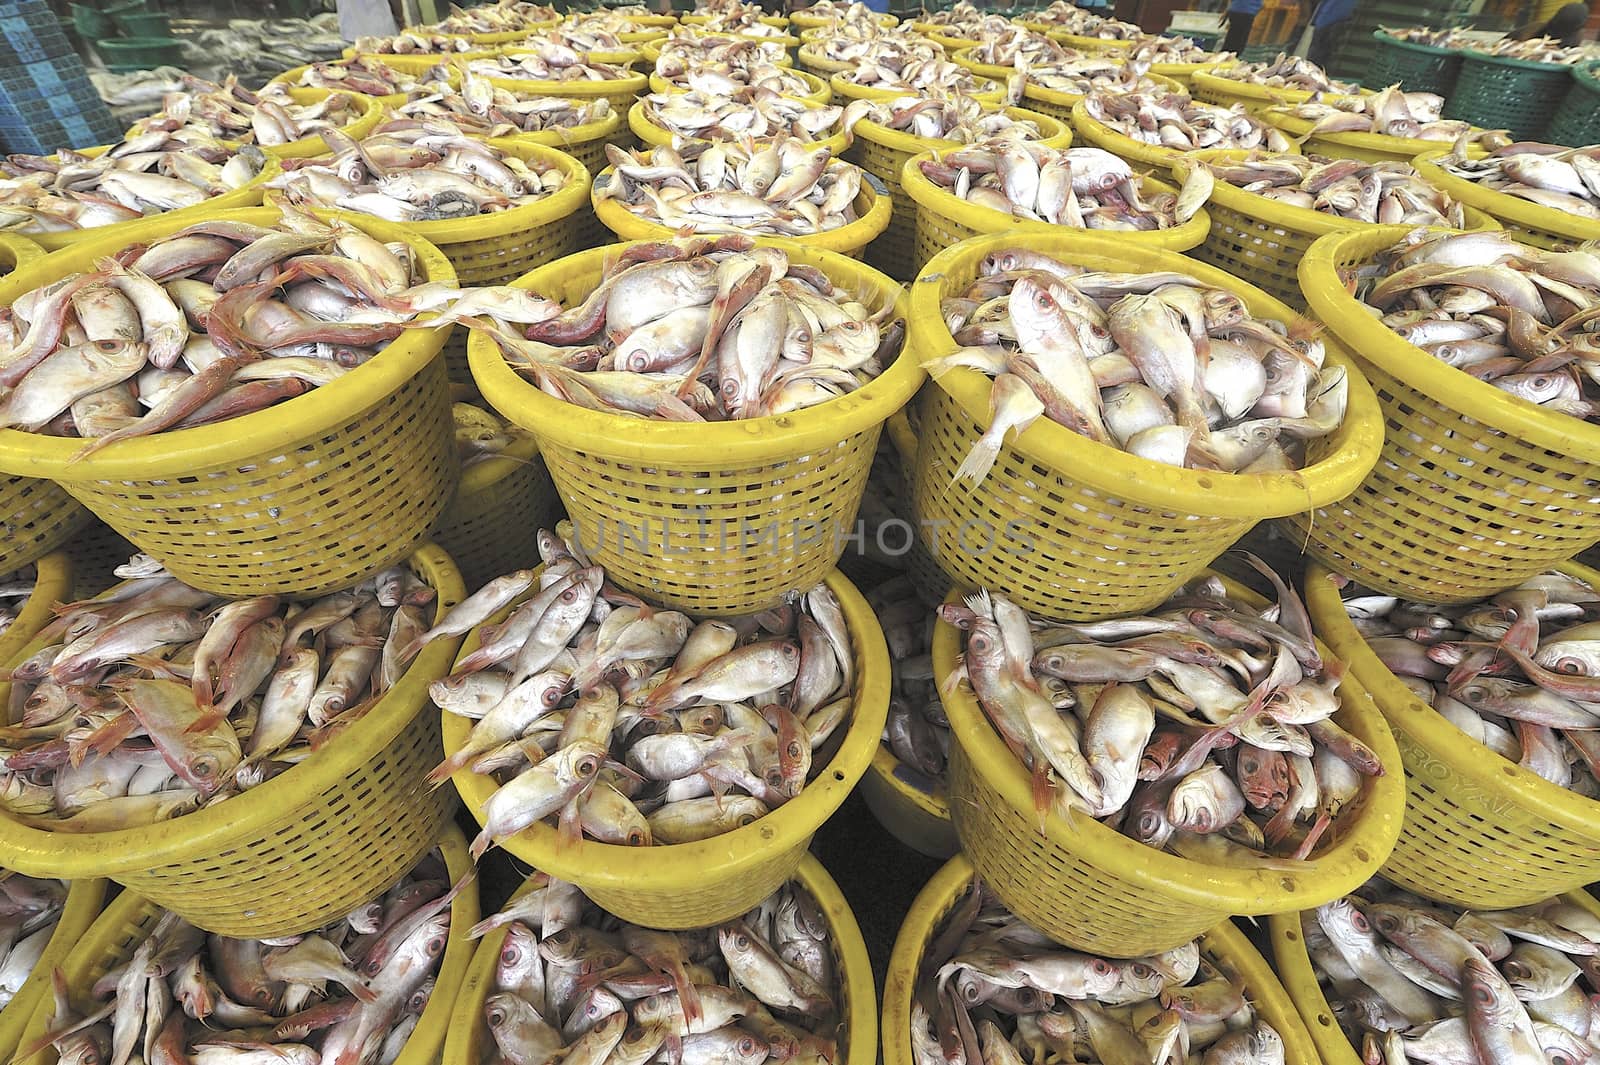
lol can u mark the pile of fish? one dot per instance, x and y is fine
(1412, 980)
(1513, 315)
(748, 113)
(853, 12)
(1535, 50)
(1069, 18)
(954, 117)
(506, 16)
(1436, 38)
(545, 60)
(1023, 49)
(267, 116)
(894, 46)
(1159, 365)
(746, 23)
(575, 984)
(993, 989)
(1391, 113)
(361, 74)
(153, 699)
(1564, 179)
(1517, 672)
(783, 188)
(418, 171)
(708, 724)
(487, 110)
(957, 16)
(143, 176)
(607, 21)
(30, 909)
(413, 42)
(913, 70)
(1173, 50)
(1176, 121)
(14, 593)
(1041, 184)
(770, 336)
(1204, 729)
(1286, 72)
(1388, 192)
(348, 993)
(579, 38)
(480, 433)
(917, 730)
(1104, 75)
(728, 55)
(728, 79)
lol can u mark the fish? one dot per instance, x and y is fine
(1389, 191)
(269, 115)
(30, 910)
(1176, 121)
(1088, 188)
(758, 114)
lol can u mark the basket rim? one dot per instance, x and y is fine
(1407, 147)
(993, 97)
(872, 218)
(17, 251)
(1288, 215)
(181, 452)
(1502, 205)
(934, 902)
(634, 83)
(1216, 81)
(464, 912)
(819, 93)
(773, 438)
(1530, 65)
(668, 866)
(1412, 46)
(808, 53)
(1357, 853)
(1111, 470)
(860, 1002)
(654, 135)
(1495, 775)
(1479, 400)
(933, 803)
(214, 828)
(564, 137)
(985, 220)
(371, 112)
(898, 140)
(52, 585)
(481, 476)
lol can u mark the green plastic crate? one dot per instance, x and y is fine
(1577, 121)
(1510, 94)
(1414, 67)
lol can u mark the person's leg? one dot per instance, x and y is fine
(1321, 47)
(1238, 34)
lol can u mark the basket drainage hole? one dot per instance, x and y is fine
(1288, 884)
(1362, 855)
(1292, 937)
(838, 776)
(1509, 770)
(1324, 1020)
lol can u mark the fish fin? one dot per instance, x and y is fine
(445, 769)
(1309, 844)
(209, 719)
(361, 990)
(979, 603)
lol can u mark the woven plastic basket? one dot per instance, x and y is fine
(944, 220)
(304, 497)
(1088, 886)
(36, 517)
(911, 807)
(85, 899)
(817, 92)
(492, 525)
(802, 20)
(1367, 147)
(1495, 92)
(1058, 105)
(1223, 944)
(304, 847)
(1183, 73)
(883, 152)
(1543, 227)
(988, 93)
(1414, 67)
(1215, 87)
(871, 206)
(96, 552)
(620, 92)
(691, 885)
(372, 111)
(652, 135)
(1577, 121)
(733, 515)
(470, 1043)
(128, 921)
(1076, 530)
(1475, 491)
(1261, 240)
(1293, 965)
(809, 59)
(248, 195)
(1479, 830)
(53, 584)
(1144, 158)
(291, 78)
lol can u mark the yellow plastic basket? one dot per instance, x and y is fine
(587, 144)
(85, 898)
(291, 78)
(944, 220)
(16, 252)
(883, 152)
(909, 805)
(935, 32)
(1261, 240)
(1215, 87)
(1223, 944)
(304, 847)
(469, 1042)
(652, 52)
(652, 135)
(813, 61)
(804, 21)
(1090, 887)
(36, 517)
(1479, 830)
(418, 63)
(818, 91)
(1475, 491)
(1183, 73)
(128, 920)
(304, 497)
(691, 885)
(1367, 147)
(492, 525)
(1075, 530)
(1058, 105)
(247, 195)
(988, 93)
(872, 218)
(1543, 227)
(1092, 45)
(619, 92)
(961, 58)
(735, 514)
(1293, 965)
(372, 111)
(1143, 157)
(53, 585)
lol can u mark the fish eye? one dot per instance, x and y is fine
(794, 749)
(588, 766)
(747, 1045)
(1482, 994)
(741, 941)
(1142, 972)
(1101, 967)
(511, 954)
(636, 838)
(1359, 919)
(203, 768)
(496, 1017)
(436, 945)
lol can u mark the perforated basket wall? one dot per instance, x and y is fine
(1577, 120)
(1480, 831)
(1509, 94)
(52, 584)
(1413, 67)
(1475, 490)
(36, 517)
(492, 525)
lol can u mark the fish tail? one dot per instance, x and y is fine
(487, 925)
(979, 461)
(1309, 844)
(443, 771)
(480, 843)
(688, 997)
